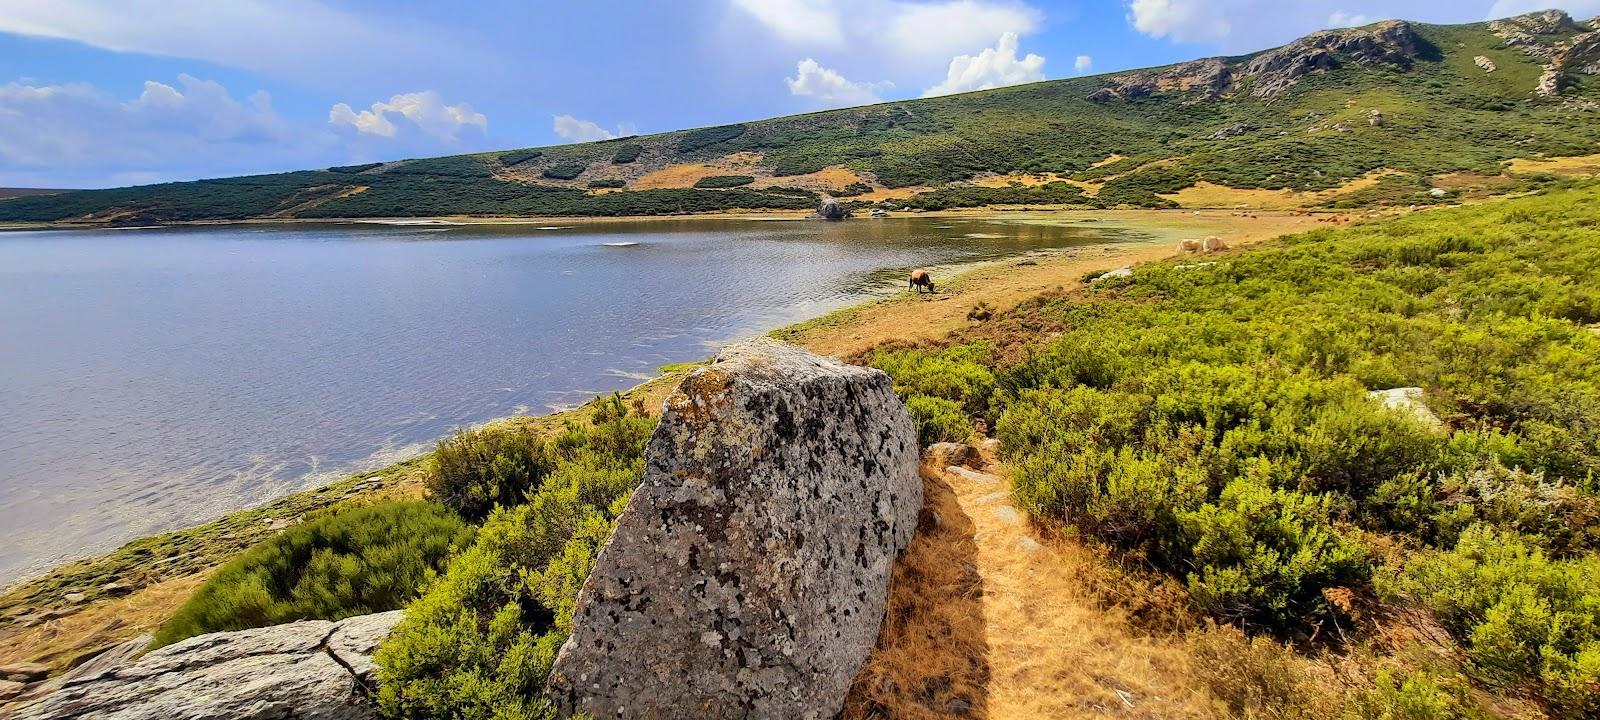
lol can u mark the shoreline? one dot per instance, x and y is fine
(991, 212)
(80, 606)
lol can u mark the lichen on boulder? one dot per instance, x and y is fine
(748, 575)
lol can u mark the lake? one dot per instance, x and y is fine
(151, 379)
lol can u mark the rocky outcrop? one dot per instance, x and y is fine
(313, 669)
(1210, 78)
(832, 209)
(1524, 31)
(1393, 43)
(747, 577)
(1553, 37)
(1485, 64)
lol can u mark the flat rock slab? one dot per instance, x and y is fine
(314, 670)
(748, 576)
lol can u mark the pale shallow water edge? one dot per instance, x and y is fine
(153, 380)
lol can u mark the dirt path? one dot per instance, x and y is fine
(987, 620)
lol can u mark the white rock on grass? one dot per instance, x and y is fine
(314, 670)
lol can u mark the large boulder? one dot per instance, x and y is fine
(748, 576)
(314, 670)
(832, 209)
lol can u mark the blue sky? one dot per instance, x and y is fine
(97, 93)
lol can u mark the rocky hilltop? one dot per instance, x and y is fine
(1269, 74)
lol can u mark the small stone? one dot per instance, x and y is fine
(946, 454)
(115, 588)
(1028, 544)
(24, 672)
(75, 597)
(10, 689)
(972, 475)
(1007, 514)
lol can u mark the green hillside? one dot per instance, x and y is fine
(1413, 98)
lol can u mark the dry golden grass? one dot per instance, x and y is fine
(931, 658)
(1562, 166)
(97, 626)
(1028, 179)
(987, 620)
(676, 176)
(1211, 195)
(831, 178)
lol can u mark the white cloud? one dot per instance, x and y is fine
(577, 130)
(940, 30)
(994, 67)
(904, 32)
(74, 135)
(798, 21)
(1342, 19)
(1239, 26)
(1083, 64)
(305, 39)
(425, 111)
(1181, 20)
(1577, 8)
(828, 87)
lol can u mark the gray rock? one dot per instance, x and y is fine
(832, 209)
(314, 670)
(1120, 272)
(945, 454)
(748, 576)
(1409, 401)
(24, 672)
(10, 689)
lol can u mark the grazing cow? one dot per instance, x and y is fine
(1189, 245)
(920, 278)
(1213, 244)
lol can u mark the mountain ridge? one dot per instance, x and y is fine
(1336, 105)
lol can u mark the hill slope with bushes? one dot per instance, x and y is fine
(1413, 100)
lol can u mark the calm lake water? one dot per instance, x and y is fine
(152, 379)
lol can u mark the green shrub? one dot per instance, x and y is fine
(1263, 557)
(703, 138)
(332, 566)
(1215, 424)
(723, 181)
(353, 169)
(938, 420)
(480, 643)
(564, 171)
(1524, 616)
(608, 183)
(474, 470)
(627, 153)
(519, 157)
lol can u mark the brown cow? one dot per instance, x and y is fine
(920, 278)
